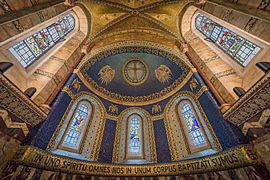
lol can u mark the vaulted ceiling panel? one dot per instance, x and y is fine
(133, 23)
(167, 14)
(135, 3)
(102, 14)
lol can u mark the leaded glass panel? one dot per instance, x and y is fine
(193, 127)
(34, 46)
(234, 45)
(30, 41)
(75, 129)
(23, 53)
(53, 33)
(134, 146)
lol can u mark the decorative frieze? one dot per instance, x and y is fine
(17, 103)
(253, 102)
(236, 157)
(222, 74)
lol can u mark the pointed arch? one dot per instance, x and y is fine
(226, 54)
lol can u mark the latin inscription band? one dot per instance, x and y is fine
(237, 157)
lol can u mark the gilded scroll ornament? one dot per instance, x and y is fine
(106, 74)
(163, 73)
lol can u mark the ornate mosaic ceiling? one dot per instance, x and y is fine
(114, 16)
(134, 75)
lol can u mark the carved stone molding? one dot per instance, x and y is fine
(17, 103)
(253, 102)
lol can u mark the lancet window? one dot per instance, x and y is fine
(134, 136)
(240, 49)
(192, 125)
(77, 125)
(34, 46)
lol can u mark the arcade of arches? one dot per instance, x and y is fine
(148, 89)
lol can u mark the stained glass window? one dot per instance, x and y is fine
(76, 127)
(234, 45)
(192, 124)
(34, 46)
(134, 146)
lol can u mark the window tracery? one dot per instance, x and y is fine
(240, 49)
(34, 46)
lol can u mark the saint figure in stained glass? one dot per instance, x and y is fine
(78, 123)
(34, 46)
(134, 146)
(76, 128)
(234, 45)
(194, 130)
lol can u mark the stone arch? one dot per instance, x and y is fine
(49, 72)
(223, 72)
(157, 46)
(84, 19)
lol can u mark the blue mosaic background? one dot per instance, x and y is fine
(41, 137)
(162, 146)
(106, 148)
(120, 86)
(227, 134)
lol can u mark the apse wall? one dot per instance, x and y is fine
(164, 151)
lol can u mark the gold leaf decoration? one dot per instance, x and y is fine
(76, 84)
(106, 74)
(163, 73)
(193, 84)
(113, 109)
(156, 108)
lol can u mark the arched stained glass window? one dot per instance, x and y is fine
(76, 127)
(34, 46)
(231, 43)
(192, 124)
(134, 135)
